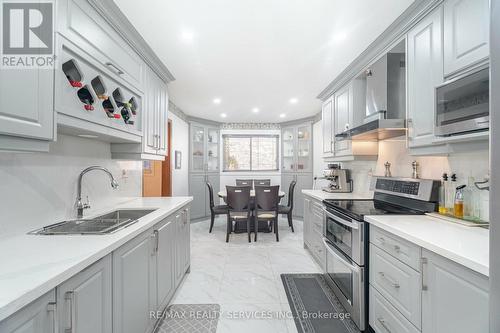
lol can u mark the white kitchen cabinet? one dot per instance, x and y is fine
(327, 119)
(85, 300)
(454, 299)
(37, 317)
(425, 72)
(466, 34)
(304, 181)
(296, 147)
(182, 241)
(165, 260)
(134, 284)
(343, 119)
(27, 108)
(313, 230)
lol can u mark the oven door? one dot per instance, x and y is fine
(346, 234)
(347, 280)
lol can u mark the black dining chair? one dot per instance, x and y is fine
(238, 200)
(214, 210)
(244, 182)
(288, 209)
(262, 182)
(266, 207)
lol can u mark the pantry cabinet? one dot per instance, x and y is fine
(85, 300)
(425, 72)
(466, 34)
(37, 317)
(296, 147)
(454, 299)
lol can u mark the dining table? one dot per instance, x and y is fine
(241, 226)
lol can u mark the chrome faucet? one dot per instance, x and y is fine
(80, 206)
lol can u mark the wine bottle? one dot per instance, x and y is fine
(86, 98)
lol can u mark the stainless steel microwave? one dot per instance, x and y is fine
(462, 105)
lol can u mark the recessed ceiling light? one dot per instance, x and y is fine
(282, 115)
(217, 100)
(223, 115)
(255, 110)
(339, 37)
(187, 36)
(293, 100)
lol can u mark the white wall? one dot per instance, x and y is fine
(40, 188)
(495, 165)
(180, 142)
(229, 178)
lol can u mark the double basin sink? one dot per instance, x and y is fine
(100, 225)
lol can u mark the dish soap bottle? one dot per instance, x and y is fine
(459, 202)
(442, 194)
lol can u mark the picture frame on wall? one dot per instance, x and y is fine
(178, 159)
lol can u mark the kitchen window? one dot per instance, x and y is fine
(250, 152)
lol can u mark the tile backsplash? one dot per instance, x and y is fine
(37, 189)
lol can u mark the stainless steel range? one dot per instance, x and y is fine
(346, 235)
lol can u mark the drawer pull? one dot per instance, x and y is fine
(115, 68)
(391, 282)
(423, 262)
(384, 325)
(381, 240)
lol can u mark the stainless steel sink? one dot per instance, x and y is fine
(100, 225)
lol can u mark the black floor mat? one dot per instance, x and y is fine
(314, 306)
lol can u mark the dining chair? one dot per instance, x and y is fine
(266, 207)
(288, 209)
(238, 200)
(244, 182)
(262, 182)
(214, 209)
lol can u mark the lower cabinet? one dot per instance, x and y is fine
(182, 241)
(455, 299)
(440, 296)
(134, 284)
(313, 230)
(85, 300)
(165, 260)
(199, 191)
(304, 182)
(37, 317)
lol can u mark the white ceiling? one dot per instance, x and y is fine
(257, 53)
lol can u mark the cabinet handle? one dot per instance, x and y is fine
(51, 309)
(384, 325)
(391, 282)
(157, 238)
(153, 238)
(115, 68)
(423, 263)
(69, 297)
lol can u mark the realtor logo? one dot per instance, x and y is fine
(27, 34)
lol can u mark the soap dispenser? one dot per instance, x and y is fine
(459, 202)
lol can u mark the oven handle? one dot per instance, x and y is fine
(341, 221)
(330, 250)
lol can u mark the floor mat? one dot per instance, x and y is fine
(315, 308)
(189, 318)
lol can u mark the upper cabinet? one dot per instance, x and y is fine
(425, 72)
(297, 148)
(327, 117)
(466, 34)
(204, 148)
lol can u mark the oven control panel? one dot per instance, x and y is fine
(420, 189)
(397, 186)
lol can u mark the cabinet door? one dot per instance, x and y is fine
(150, 114)
(26, 103)
(466, 33)
(186, 235)
(212, 158)
(327, 123)
(289, 144)
(165, 261)
(425, 72)
(181, 245)
(286, 179)
(197, 148)
(162, 119)
(37, 317)
(456, 298)
(85, 300)
(304, 148)
(307, 221)
(343, 119)
(198, 190)
(134, 285)
(304, 181)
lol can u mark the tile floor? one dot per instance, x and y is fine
(244, 278)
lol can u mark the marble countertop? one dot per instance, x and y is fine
(322, 195)
(468, 246)
(32, 265)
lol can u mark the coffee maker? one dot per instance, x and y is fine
(340, 179)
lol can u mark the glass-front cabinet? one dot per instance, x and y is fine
(204, 148)
(297, 148)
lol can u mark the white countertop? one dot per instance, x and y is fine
(468, 246)
(32, 265)
(322, 195)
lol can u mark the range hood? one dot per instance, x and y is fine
(385, 101)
